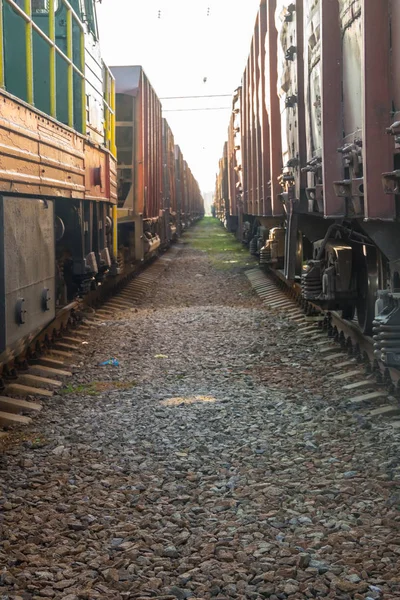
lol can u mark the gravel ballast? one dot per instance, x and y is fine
(218, 460)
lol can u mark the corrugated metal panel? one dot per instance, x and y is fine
(146, 192)
(273, 108)
(169, 191)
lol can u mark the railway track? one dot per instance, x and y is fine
(42, 368)
(345, 353)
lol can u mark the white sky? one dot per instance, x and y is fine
(177, 51)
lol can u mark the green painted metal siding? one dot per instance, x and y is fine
(14, 59)
(84, 40)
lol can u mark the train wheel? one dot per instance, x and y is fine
(367, 284)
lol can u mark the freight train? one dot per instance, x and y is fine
(72, 218)
(158, 196)
(310, 174)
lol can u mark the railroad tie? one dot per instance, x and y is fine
(328, 348)
(25, 390)
(106, 313)
(16, 405)
(368, 397)
(12, 419)
(73, 340)
(308, 329)
(44, 370)
(333, 356)
(28, 378)
(120, 305)
(347, 375)
(387, 410)
(347, 363)
(358, 384)
(314, 319)
(60, 353)
(270, 295)
(65, 347)
(50, 362)
(283, 302)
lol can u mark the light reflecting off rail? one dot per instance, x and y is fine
(230, 262)
(187, 400)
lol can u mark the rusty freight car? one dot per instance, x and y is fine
(57, 165)
(169, 182)
(155, 186)
(189, 201)
(319, 155)
(139, 144)
(221, 199)
(194, 204)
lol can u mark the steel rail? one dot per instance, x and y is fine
(346, 331)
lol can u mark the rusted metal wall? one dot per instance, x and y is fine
(195, 199)
(40, 156)
(221, 199)
(218, 202)
(319, 91)
(290, 27)
(259, 121)
(189, 201)
(145, 195)
(232, 171)
(169, 191)
(237, 159)
(179, 186)
(246, 146)
(152, 138)
(339, 85)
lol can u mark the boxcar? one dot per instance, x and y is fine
(319, 155)
(139, 143)
(157, 194)
(169, 182)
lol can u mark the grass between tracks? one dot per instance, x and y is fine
(95, 388)
(223, 250)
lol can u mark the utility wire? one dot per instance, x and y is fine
(209, 96)
(191, 109)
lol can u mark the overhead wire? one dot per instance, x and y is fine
(209, 19)
(200, 96)
(194, 109)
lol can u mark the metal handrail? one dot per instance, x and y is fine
(109, 110)
(1, 46)
(26, 15)
(31, 26)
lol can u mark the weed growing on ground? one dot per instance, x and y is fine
(223, 250)
(95, 388)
